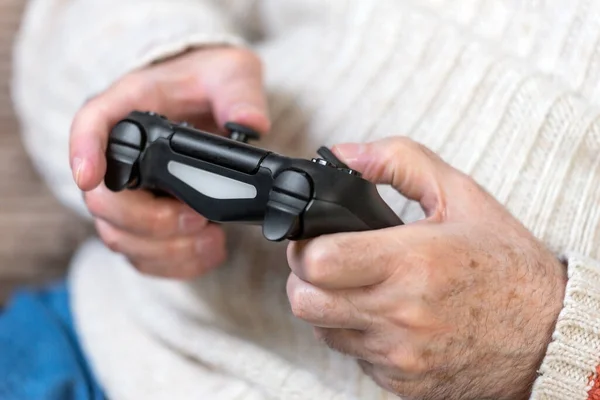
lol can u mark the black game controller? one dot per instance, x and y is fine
(226, 180)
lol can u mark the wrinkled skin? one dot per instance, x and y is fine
(460, 305)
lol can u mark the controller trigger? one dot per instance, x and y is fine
(123, 151)
(330, 159)
(291, 194)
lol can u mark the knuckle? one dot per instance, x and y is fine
(411, 316)
(411, 365)
(163, 221)
(302, 303)
(210, 246)
(299, 305)
(316, 263)
(178, 248)
(244, 58)
(405, 359)
(403, 144)
(94, 202)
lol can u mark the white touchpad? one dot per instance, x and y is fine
(211, 185)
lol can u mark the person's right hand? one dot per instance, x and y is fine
(205, 87)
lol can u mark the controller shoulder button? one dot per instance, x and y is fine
(127, 133)
(123, 150)
(289, 198)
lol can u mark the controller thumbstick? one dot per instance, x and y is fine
(241, 133)
(122, 153)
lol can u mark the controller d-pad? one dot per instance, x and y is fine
(291, 193)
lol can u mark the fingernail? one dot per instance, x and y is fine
(191, 222)
(78, 168)
(349, 152)
(244, 111)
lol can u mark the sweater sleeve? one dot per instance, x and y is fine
(69, 50)
(571, 367)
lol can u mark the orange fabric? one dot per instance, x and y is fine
(594, 393)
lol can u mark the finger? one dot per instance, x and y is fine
(143, 214)
(168, 88)
(406, 386)
(235, 88)
(326, 309)
(375, 350)
(346, 260)
(91, 125)
(412, 169)
(178, 257)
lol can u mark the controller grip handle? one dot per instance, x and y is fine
(364, 211)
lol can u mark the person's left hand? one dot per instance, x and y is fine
(460, 305)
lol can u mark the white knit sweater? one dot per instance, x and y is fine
(507, 91)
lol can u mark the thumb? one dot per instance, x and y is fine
(412, 169)
(236, 91)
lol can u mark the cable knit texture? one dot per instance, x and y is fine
(506, 91)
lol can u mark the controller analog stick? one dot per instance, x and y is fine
(241, 133)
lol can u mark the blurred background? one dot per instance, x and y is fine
(37, 235)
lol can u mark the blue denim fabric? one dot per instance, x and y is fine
(40, 356)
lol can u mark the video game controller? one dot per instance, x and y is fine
(226, 180)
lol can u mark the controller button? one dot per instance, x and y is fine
(350, 171)
(323, 162)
